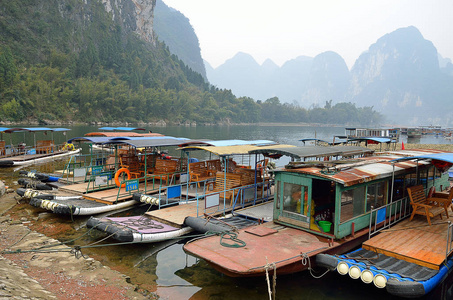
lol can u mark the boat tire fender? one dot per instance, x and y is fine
(6, 163)
(122, 235)
(136, 197)
(21, 191)
(326, 261)
(407, 289)
(117, 176)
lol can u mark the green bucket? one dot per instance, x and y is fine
(325, 225)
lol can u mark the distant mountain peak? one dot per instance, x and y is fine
(269, 64)
(399, 75)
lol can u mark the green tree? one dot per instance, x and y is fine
(8, 69)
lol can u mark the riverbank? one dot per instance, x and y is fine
(52, 274)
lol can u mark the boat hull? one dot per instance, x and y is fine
(78, 206)
(6, 163)
(137, 229)
(417, 282)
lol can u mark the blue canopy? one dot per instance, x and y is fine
(446, 157)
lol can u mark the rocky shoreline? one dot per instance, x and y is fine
(52, 274)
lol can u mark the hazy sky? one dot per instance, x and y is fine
(282, 30)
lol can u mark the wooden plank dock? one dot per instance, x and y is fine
(175, 215)
(414, 241)
(108, 195)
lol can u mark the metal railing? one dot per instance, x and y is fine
(387, 215)
(18, 151)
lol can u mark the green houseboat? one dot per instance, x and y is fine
(322, 204)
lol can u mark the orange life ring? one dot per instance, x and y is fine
(117, 175)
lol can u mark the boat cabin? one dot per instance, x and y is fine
(334, 198)
(391, 133)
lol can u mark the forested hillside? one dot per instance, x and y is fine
(85, 61)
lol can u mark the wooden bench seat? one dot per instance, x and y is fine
(204, 170)
(429, 207)
(44, 146)
(165, 169)
(198, 171)
(226, 182)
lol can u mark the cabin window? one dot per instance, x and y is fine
(352, 203)
(399, 188)
(433, 173)
(295, 198)
(424, 177)
(411, 179)
(376, 195)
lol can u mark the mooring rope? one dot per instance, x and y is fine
(274, 279)
(305, 259)
(231, 236)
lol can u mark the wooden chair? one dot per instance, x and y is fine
(2, 148)
(198, 171)
(442, 199)
(214, 166)
(429, 207)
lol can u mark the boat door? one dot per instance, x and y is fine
(293, 205)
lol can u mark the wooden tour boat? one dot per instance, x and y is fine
(103, 184)
(42, 150)
(210, 189)
(412, 257)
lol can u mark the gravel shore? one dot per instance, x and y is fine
(52, 275)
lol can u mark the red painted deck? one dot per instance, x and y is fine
(265, 244)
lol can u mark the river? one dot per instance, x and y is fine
(165, 269)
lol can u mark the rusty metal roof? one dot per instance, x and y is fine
(363, 169)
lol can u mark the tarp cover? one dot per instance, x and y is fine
(233, 150)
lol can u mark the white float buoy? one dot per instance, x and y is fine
(343, 268)
(380, 281)
(367, 276)
(354, 272)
